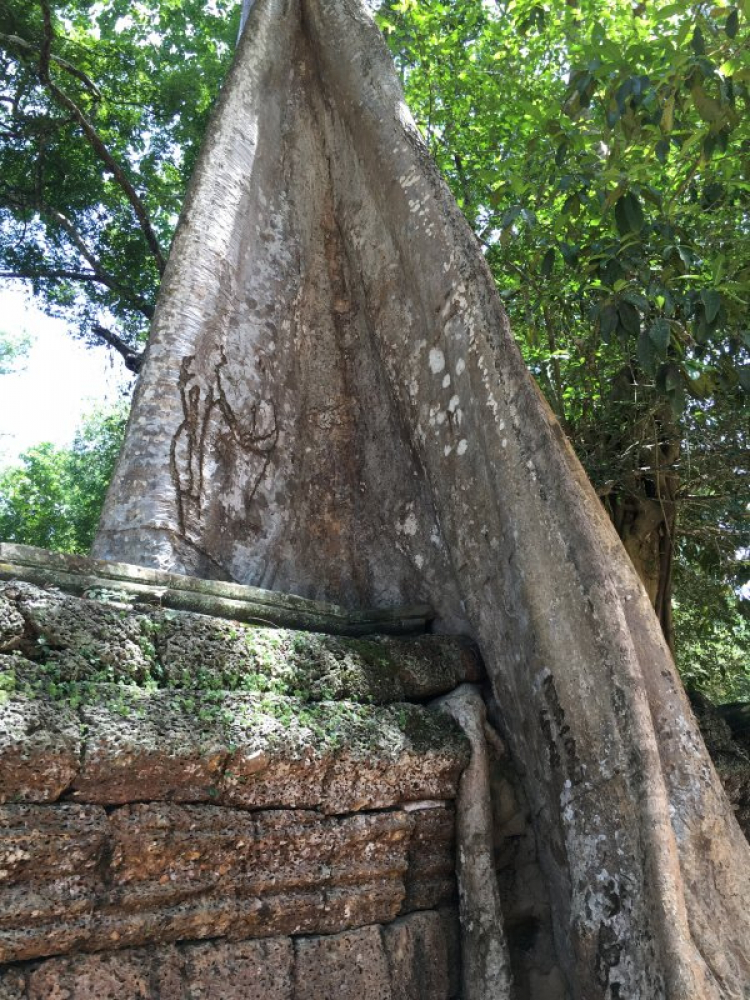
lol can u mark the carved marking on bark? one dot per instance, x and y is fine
(190, 449)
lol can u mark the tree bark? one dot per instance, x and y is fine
(333, 404)
(643, 509)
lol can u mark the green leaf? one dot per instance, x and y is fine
(659, 334)
(711, 300)
(707, 107)
(630, 319)
(608, 322)
(629, 214)
(673, 377)
(646, 354)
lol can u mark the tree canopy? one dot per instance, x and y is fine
(600, 152)
(102, 109)
(52, 496)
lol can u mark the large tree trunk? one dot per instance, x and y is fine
(333, 404)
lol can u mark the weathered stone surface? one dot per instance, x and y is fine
(74, 877)
(127, 583)
(40, 742)
(349, 966)
(100, 712)
(149, 745)
(12, 984)
(133, 975)
(378, 669)
(259, 752)
(417, 956)
(11, 624)
(430, 665)
(431, 875)
(250, 970)
(169, 852)
(83, 640)
(341, 757)
(406, 961)
(41, 843)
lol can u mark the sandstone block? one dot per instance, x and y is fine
(44, 843)
(123, 976)
(148, 745)
(163, 852)
(430, 878)
(417, 955)
(74, 877)
(12, 984)
(340, 757)
(349, 966)
(40, 743)
(87, 640)
(248, 970)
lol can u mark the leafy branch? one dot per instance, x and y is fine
(95, 140)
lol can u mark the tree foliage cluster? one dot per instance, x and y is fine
(52, 497)
(601, 153)
(103, 104)
(13, 350)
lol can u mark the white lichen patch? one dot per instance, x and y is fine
(463, 445)
(409, 525)
(460, 366)
(446, 382)
(437, 361)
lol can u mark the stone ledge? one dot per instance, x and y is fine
(124, 745)
(82, 640)
(81, 575)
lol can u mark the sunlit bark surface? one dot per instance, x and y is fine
(333, 405)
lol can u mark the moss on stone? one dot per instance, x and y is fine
(76, 642)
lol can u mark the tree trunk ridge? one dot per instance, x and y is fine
(333, 405)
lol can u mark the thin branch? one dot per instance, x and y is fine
(50, 274)
(96, 142)
(133, 359)
(106, 279)
(65, 274)
(21, 43)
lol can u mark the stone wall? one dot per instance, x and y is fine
(192, 806)
(195, 806)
